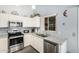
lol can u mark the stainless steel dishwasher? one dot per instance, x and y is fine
(50, 47)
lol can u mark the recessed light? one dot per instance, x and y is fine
(33, 7)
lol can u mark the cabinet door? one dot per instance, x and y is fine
(3, 45)
(37, 43)
(14, 18)
(3, 20)
(50, 47)
(36, 21)
(27, 39)
(27, 22)
(31, 22)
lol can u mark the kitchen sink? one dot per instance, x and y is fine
(42, 35)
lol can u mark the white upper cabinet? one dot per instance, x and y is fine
(27, 21)
(31, 22)
(36, 21)
(14, 18)
(3, 20)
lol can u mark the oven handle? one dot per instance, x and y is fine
(16, 36)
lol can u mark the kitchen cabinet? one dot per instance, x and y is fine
(3, 20)
(27, 22)
(34, 41)
(37, 43)
(62, 48)
(15, 18)
(4, 44)
(44, 45)
(27, 39)
(36, 21)
(31, 22)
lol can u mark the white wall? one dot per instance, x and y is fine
(69, 30)
(21, 9)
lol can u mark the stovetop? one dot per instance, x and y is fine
(15, 34)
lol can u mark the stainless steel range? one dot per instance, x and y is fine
(16, 41)
(15, 36)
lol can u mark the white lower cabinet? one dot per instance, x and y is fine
(63, 47)
(44, 47)
(34, 41)
(27, 39)
(3, 44)
(37, 43)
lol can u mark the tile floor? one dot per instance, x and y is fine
(27, 49)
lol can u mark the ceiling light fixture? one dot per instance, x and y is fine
(34, 12)
(33, 7)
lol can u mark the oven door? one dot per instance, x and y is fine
(16, 44)
(14, 41)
